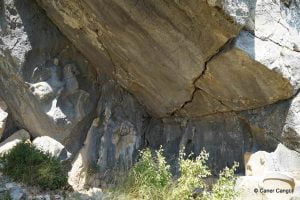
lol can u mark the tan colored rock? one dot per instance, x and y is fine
(3, 105)
(13, 140)
(155, 49)
(237, 82)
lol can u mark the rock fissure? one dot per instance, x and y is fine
(227, 45)
(270, 40)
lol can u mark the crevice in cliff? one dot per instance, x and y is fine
(227, 45)
(270, 40)
(106, 51)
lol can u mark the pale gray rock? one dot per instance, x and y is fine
(282, 160)
(91, 194)
(13, 140)
(45, 95)
(3, 119)
(113, 139)
(291, 129)
(16, 192)
(53, 147)
(245, 186)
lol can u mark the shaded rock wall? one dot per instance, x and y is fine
(44, 80)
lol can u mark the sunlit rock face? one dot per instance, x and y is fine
(187, 57)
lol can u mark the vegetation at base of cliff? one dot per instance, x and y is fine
(26, 164)
(151, 179)
(5, 195)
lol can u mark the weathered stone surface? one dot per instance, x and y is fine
(224, 136)
(53, 147)
(46, 82)
(281, 160)
(3, 116)
(233, 81)
(269, 71)
(112, 141)
(176, 57)
(13, 140)
(155, 49)
(15, 191)
(245, 186)
(271, 20)
(276, 122)
(91, 194)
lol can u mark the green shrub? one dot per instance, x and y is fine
(150, 179)
(26, 164)
(5, 195)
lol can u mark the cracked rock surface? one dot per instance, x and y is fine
(155, 49)
(171, 54)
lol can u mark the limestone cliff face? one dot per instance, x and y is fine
(108, 77)
(178, 54)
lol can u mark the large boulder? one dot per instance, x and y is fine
(53, 147)
(155, 49)
(281, 160)
(210, 71)
(13, 140)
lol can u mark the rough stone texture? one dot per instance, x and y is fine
(245, 185)
(13, 140)
(184, 60)
(49, 145)
(212, 80)
(271, 20)
(3, 116)
(155, 49)
(15, 191)
(112, 141)
(278, 169)
(46, 83)
(224, 136)
(91, 194)
(277, 122)
(281, 160)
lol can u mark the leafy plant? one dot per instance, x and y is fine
(25, 163)
(150, 179)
